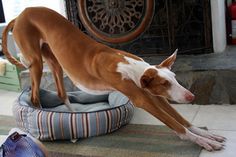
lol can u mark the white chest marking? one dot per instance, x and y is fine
(133, 70)
(92, 91)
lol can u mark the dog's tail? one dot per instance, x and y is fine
(4, 45)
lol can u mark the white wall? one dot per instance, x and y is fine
(13, 8)
(218, 25)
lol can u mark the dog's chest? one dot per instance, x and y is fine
(87, 83)
(96, 89)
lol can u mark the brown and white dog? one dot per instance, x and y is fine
(96, 68)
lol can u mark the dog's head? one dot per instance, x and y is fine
(160, 81)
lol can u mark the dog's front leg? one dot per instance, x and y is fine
(144, 100)
(163, 103)
(150, 106)
(207, 134)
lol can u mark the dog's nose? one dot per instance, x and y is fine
(189, 97)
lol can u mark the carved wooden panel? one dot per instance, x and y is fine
(146, 27)
(115, 21)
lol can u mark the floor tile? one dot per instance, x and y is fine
(143, 117)
(230, 145)
(187, 110)
(2, 93)
(7, 99)
(218, 117)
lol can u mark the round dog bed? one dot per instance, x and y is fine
(93, 116)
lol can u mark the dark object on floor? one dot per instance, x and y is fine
(20, 145)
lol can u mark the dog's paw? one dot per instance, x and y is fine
(209, 144)
(206, 134)
(36, 103)
(206, 143)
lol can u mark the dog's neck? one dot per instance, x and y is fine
(133, 70)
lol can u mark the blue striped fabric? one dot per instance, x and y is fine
(50, 125)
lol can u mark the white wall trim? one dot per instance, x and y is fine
(218, 25)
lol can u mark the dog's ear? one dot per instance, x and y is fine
(147, 77)
(169, 61)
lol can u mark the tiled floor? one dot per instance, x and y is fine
(218, 119)
(7, 98)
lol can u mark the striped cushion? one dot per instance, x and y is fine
(49, 124)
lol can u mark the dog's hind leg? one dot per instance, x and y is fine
(32, 54)
(57, 73)
(36, 70)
